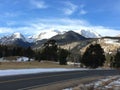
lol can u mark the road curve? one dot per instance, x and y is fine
(23, 82)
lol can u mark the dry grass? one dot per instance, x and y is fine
(34, 64)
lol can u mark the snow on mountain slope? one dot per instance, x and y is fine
(11, 39)
(50, 33)
(112, 41)
(18, 36)
(44, 35)
(89, 33)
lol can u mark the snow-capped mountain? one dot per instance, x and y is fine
(14, 39)
(61, 39)
(19, 39)
(17, 35)
(44, 35)
(69, 36)
(50, 33)
(88, 33)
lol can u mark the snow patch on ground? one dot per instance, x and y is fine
(111, 41)
(32, 71)
(109, 83)
(17, 59)
(2, 60)
(24, 59)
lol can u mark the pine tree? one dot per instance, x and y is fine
(93, 56)
(62, 55)
(116, 61)
(49, 51)
(29, 52)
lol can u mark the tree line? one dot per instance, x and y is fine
(93, 57)
(6, 51)
(49, 51)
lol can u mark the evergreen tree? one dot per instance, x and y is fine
(62, 55)
(29, 52)
(93, 56)
(37, 55)
(49, 51)
(116, 61)
(0, 51)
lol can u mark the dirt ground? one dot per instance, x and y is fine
(34, 64)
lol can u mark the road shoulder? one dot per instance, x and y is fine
(66, 84)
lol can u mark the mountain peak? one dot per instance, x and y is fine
(18, 35)
(68, 36)
(45, 35)
(88, 33)
(14, 39)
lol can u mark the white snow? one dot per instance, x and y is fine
(24, 59)
(68, 89)
(18, 35)
(10, 72)
(115, 83)
(88, 33)
(109, 83)
(18, 59)
(46, 34)
(112, 41)
(12, 37)
(2, 60)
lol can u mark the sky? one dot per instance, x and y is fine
(33, 16)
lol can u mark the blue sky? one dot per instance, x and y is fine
(33, 16)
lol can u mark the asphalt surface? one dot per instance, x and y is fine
(25, 82)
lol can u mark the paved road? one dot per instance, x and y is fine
(24, 82)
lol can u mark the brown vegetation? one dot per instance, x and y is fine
(34, 64)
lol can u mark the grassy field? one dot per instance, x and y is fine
(34, 64)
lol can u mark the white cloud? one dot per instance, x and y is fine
(83, 12)
(5, 30)
(10, 14)
(38, 4)
(63, 24)
(106, 31)
(71, 24)
(70, 8)
(63, 21)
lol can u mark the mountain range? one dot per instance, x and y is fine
(76, 40)
(50, 33)
(60, 36)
